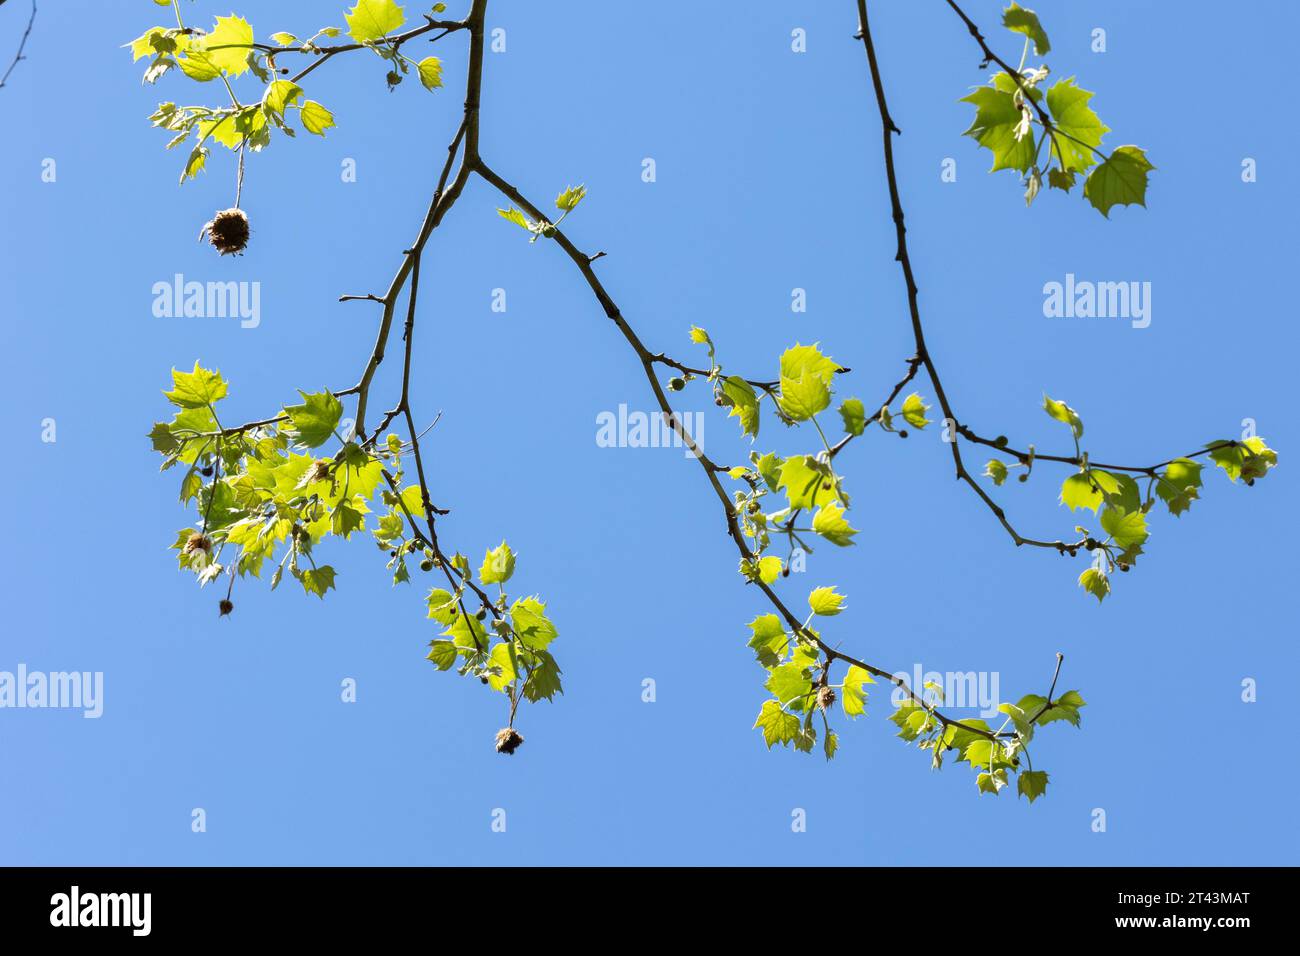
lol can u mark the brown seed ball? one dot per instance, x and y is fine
(225, 607)
(508, 740)
(825, 697)
(227, 231)
(197, 542)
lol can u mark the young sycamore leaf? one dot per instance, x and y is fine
(1019, 20)
(997, 124)
(829, 522)
(853, 698)
(315, 419)
(825, 601)
(1095, 583)
(1128, 528)
(1032, 784)
(914, 411)
(372, 19)
(569, 199)
(518, 218)
(316, 118)
(740, 396)
(1064, 413)
(1079, 128)
(854, 415)
(996, 470)
(498, 565)
(196, 389)
(430, 72)
(777, 725)
(1119, 181)
(804, 397)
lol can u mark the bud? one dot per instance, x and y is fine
(320, 470)
(825, 697)
(227, 231)
(197, 542)
(676, 384)
(508, 740)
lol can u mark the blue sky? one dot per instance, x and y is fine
(769, 178)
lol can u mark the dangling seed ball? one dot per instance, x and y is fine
(508, 740)
(228, 231)
(225, 607)
(825, 697)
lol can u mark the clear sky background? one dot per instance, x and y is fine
(769, 178)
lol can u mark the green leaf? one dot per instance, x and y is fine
(740, 396)
(769, 569)
(1120, 181)
(569, 199)
(997, 120)
(1179, 484)
(1064, 413)
(203, 60)
(996, 470)
(806, 481)
(498, 565)
(854, 415)
(790, 684)
(317, 580)
(345, 519)
(1032, 784)
(1250, 459)
(1058, 178)
(314, 421)
(529, 620)
(1118, 489)
(829, 522)
(502, 663)
(776, 724)
(442, 606)
(831, 744)
(372, 19)
(1079, 129)
(1095, 583)
(804, 397)
(284, 39)
(825, 601)
(1128, 528)
(316, 118)
(801, 360)
(991, 782)
(442, 653)
(279, 96)
(1066, 707)
(430, 72)
(1078, 491)
(518, 218)
(853, 697)
(544, 679)
(914, 411)
(1019, 20)
(196, 389)
(769, 639)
